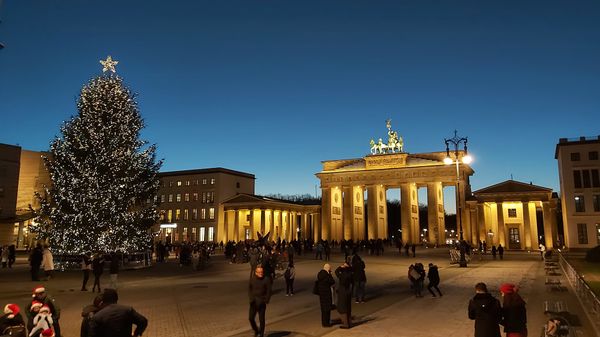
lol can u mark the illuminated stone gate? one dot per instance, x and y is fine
(344, 182)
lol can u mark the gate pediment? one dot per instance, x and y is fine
(381, 161)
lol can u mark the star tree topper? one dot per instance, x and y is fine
(109, 64)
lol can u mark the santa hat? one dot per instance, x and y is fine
(35, 304)
(11, 310)
(38, 290)
(508, 288)
(48, 333)
(45, 308)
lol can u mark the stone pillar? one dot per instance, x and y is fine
(527, 226)
(377, 209)
(482, 225)
(236, 225)
(533, 227)
(254, 226)
(227, 230)
(409, 205)
(317, 231)
(464, 215)
(501, 229)
(359, 213)
(435, 213)
(473, 221)
(326, 213)
(348, 210)
(548, 235)
(272, 225)
(263, 221)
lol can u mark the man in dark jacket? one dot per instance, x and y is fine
(35, 261)
(434, 279)
(344, 291)
(359, 278)
(259, 294)
(486, 311)
(324, 283)
(115, 320)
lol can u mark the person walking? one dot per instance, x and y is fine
(289, 275)
(413, 249)
(359, 278)
(48, 262)
(344, 291)
(4, 255)
(406, 248)
(323, 287)
(113, 270)
(97, 269)
(434, 279)
(86, 267)
(116, 320)
(514, 314)
(35, 261)
(494, 251)
(485, 310)
(259, 294)
(418, 273)
(501, 251)
(40, 295)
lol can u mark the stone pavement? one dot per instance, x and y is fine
(182, 302)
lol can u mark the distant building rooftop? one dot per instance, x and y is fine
(206, 171)
(575, 141)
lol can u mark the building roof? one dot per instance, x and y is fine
(575, 141)
(206, 171)
(512, 186)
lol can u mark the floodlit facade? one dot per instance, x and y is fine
(189, 203)
(579, 173)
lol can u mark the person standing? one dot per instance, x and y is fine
(35, 261)
(47, 262)
(40, 295)
(289, 275)
(542, 251)
(359, 278)
(116, 320)
(12, 255)
(97, 269)
(86, 266)
(323, 285)
(4, 256)
(501, 251)
(514, 314)
(486, 311)
(494, 251)
(413, 249)
(113, 270)
(259, 294)
(434, 279)
(344, 291)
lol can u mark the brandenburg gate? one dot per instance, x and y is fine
(344, 182)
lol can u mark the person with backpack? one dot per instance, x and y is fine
(289, 275)
(486, 311)
(11, 322)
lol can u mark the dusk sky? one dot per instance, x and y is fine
(274, 87)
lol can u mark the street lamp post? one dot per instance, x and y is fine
(466, 159)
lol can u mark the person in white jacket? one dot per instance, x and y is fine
(47, 262)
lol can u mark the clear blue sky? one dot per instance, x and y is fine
(275, 87)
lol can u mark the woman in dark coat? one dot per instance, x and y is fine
(344, 291)
(514, 314)
(324, 283)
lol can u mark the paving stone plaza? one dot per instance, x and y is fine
(181, 302)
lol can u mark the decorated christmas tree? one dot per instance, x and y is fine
(104, 178)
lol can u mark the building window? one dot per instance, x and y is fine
(170, 197)
(161, 215)
(204, 181)
(170, 184)
(593, 155)
(186, 197)
(196, 183)
(162, 198)
(598, 233)
(212, 181)
(177, 214)
(595, 178)
(211, 213)
(585, 174)
(193, 233)
(155, 198)
(211, 197)
(512, 212)
(195, 214)
(186, 215)
(195, 196)
(582, 237)
(211, 233)
(202, 233)
(170, 215)
(185, 234)
(579, 203)
(187, 183)
(596, 201)
(203, 214)
(577, 178)
(575, 156)
(204, 197)
(179, 183)
(178, 197)
(237, 185)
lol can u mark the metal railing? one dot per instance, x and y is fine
(589, 300)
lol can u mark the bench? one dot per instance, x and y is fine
(553, 284)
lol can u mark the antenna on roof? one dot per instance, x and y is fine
(511, 177)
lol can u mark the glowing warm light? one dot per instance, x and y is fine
(467, 159)
(448, 161)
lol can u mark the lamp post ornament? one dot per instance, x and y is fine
(456, 140)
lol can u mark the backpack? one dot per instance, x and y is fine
(287, 274)
(15, 331)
